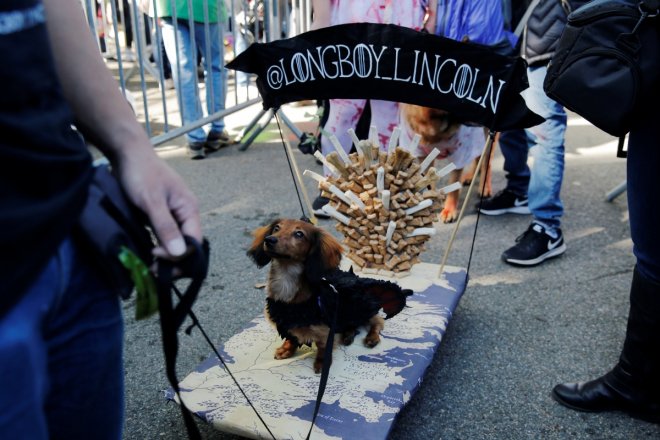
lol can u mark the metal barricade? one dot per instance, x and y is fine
(129, 35)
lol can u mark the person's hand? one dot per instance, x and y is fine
(163, 196)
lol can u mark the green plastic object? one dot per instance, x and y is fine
(146, 303)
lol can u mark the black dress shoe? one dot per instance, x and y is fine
(597, 396)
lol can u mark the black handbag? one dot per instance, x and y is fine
(607, 64)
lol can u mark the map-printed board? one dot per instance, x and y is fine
(366, 387)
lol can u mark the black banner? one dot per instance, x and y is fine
(392, 63)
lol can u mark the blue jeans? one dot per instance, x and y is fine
(643, 196)
(546, 143)
(61, 368)
(182, 48)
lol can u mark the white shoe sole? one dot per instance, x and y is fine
(514, 210)
(550, 254)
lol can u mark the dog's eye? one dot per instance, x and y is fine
(276, 228)
(299, 234)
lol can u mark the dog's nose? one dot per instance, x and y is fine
(270, 241)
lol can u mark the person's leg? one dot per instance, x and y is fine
(548, 152)
(84, 335)
(209, 44)
(633, 385)
(61, 350)
(128, 23)
(183, 59)
(514, 145)
(342, 115)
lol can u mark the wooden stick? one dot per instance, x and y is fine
(299, 181)
(484, 154)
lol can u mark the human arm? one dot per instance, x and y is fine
(430, 16)
(321, 11)
(103, 115)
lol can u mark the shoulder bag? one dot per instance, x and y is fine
(607, 64)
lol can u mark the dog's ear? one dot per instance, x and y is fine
(256, 250)
(324, 255)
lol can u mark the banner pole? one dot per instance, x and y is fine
(486, 152)
(296, 171)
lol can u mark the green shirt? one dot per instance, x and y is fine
(216, 9)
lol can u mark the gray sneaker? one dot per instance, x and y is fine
(216, 140)
(196, 150)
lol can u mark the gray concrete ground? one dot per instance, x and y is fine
(515, 333)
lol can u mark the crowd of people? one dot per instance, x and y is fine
(60, 325)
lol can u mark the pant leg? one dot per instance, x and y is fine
(514, 147)
(61, 349)
(548, 152)
(342, 115)
(643, 196)
(210, 45)
(182, 54)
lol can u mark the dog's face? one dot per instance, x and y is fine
(296, 241)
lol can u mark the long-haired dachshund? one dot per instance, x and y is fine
(302, 280)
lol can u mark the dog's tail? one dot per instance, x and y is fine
(365, 296)
(391, 296)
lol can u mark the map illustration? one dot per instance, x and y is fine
(366, 387)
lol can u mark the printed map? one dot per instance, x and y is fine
(366, 387)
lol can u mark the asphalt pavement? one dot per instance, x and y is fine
(515, 333)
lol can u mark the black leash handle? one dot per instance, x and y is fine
(195, 267)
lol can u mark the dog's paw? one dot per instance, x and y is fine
(285, 351)
(486, 192)
(371, 340)
(449, 214)
(318, 366)
(348, 337)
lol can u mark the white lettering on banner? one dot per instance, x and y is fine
(366, 61)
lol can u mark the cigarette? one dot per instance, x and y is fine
(451, 188)
(355, 199)
(331, 211)
(339, 149)
(429, 160)
(380, 179)
(446, 170)
(390, 231)
(316, 176)
(385, 197)
(336, 191)
(414, 143)
(420, 231)
(333, 170)
(421, 205)
(373, 136)
(393, 140)
(354, 137)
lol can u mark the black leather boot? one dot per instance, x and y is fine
(633, 385)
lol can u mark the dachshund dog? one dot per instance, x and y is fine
(461, 144)
(306, 290)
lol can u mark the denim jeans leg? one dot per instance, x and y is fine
(643, 198)
(61, 345)
(182, 54)
(547, 151)
(514, 147)
(214, 69)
